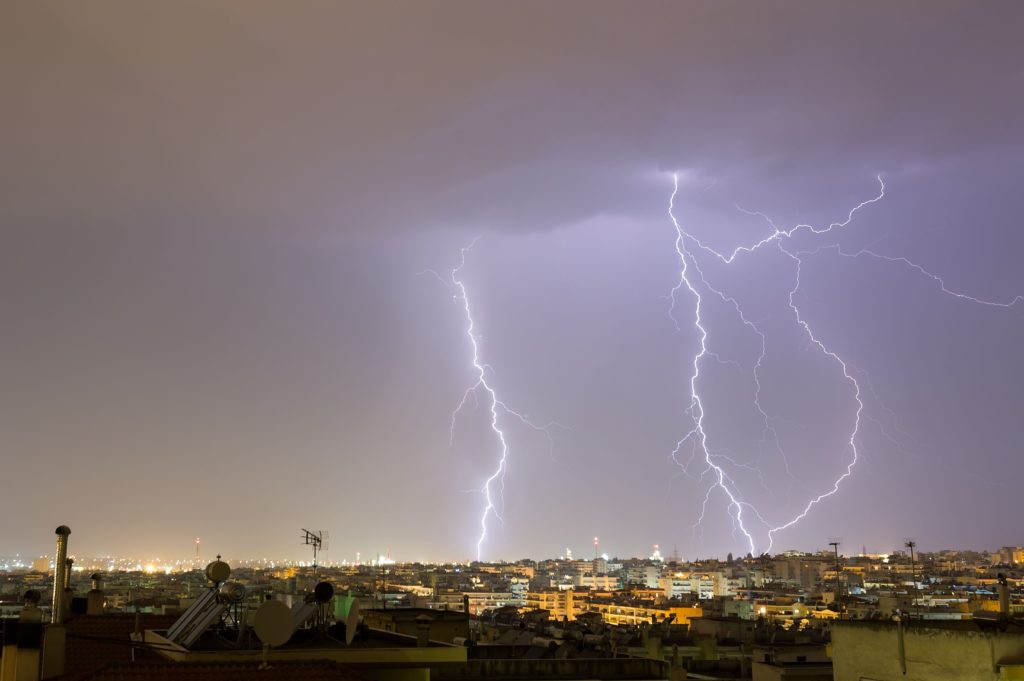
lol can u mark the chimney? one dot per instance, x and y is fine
(29, 641)
(60, 569)
(53, 643)
(19, 631)
(68, 594)
(1004, 596)
(95, 599)
(55, 646)
(423, 631)
(23, 642)
(465, 614)
(9, 657)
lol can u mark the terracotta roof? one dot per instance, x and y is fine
(95, 641)
(297, 670)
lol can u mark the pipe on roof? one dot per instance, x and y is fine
(60, 570)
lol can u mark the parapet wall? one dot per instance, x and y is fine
(883, 650)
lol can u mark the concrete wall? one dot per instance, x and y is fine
(871, 650)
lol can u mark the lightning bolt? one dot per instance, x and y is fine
(852, 441)
(693, 279)
(864, 252)
(493, 486)
(697, 435)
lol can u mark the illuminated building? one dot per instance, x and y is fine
(561, 604)
(619, 613)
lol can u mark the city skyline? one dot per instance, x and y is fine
(85, 563)
(222, 225)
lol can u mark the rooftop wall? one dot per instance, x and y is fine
(872, 650)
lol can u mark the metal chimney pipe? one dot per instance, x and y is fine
(95, 600)
(68, 594)
(60, 569)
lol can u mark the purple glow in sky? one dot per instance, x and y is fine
(214, 216)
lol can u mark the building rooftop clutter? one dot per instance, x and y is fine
(220, 627)
(226, 633)
(531, 619)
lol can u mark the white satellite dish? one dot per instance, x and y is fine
(273, 623)
(351, 622)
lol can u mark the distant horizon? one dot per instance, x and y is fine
(326, 560)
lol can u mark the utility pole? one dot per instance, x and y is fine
(913, 571)
(835, 548)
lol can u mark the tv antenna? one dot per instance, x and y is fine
(839, 568)
(911, 544)
(317, 540)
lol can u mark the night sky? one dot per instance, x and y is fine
(217, 221)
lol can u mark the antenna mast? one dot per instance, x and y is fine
(911, 544)
(835, 547)
(316, 540)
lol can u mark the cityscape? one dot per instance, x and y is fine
(441, 340)
(789, 615)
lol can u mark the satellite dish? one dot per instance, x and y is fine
(323, 592)
(273, 623)
(218, 571)
(351, 622)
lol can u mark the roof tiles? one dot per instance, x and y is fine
(95, 641)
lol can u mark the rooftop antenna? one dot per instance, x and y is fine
(911, 544)
(316, 540)
(835, 547)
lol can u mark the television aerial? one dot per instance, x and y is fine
(318, 540)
